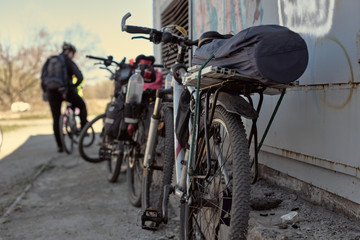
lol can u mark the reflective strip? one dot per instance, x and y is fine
(109, 120)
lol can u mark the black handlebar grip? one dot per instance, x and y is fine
(96, 58)
(136, 29)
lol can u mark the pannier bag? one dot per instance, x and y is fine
(54, 73)
(182, 119)
(268, 53)
(114, 115)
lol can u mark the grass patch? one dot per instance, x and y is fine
(8, 128)
(35, 116)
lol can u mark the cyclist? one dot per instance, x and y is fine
(55, 97)
(80, 87)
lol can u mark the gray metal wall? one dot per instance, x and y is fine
(316, 134)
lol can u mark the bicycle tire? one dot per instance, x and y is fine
(202, 218)
(135, 166)
(154, 180)
(66, 133)
(90, 138)
(115, 161)
(91, 153)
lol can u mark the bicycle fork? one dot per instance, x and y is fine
(151, 214)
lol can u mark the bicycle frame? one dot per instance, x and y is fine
(182, 179)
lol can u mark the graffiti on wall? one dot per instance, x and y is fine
(225, 16)
(311, 17)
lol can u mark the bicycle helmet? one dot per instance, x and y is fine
(149, 60)
(68, 46)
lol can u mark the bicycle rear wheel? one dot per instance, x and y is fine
(67, 133)
(160, 171)
(92, 133)
(219, 206)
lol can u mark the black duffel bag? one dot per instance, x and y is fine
(268, 53)
(114, 116)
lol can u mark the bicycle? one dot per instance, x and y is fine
(212, 159)
(128, 144)
(135, 146)
(69, 124)
(104, 147)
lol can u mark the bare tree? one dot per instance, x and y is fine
(20, 71)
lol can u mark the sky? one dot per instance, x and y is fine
(19, 19)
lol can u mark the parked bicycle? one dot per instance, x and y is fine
(70, 127)
(124, 144)
(104, 147)
(212, 162)
(138, 108)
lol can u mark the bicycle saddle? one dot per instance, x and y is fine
(207, 37)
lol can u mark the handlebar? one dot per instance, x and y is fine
(158, 65)
(133, 29)
(107, 61)
(156, 36)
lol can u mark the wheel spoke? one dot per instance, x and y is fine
(213, 209)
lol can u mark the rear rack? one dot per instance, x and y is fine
(213, 75)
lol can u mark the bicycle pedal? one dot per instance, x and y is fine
(151, 219)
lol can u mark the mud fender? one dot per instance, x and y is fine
(237, 105)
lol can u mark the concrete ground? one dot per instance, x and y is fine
(48, 195)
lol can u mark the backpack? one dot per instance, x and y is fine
(54, 73)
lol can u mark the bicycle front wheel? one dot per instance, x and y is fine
(67, 133)
(219, 206)
(160, 170)
(92, 133)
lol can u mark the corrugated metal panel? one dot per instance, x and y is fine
(177, 13)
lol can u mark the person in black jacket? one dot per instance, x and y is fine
(55, 97)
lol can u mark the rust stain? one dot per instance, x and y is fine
(340, 167)
(351, 90)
